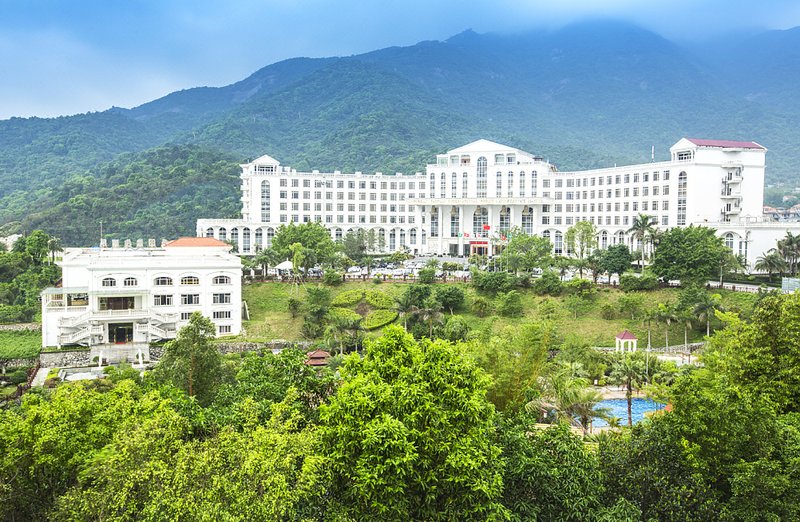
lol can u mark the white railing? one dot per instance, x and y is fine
(80, 335)
(75, 320)
(156, 331)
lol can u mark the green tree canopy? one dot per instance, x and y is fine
(616, 259)
(314, 238)
(409, 434)
(690, 254)
(524, 252)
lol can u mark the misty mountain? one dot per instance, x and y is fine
(587, 95)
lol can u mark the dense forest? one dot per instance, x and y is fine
(587, 95)
(415, 429)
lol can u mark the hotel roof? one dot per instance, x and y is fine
(726, 144)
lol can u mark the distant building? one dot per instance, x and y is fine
(123, 295)
(466, 201)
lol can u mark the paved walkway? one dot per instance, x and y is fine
(41, 376)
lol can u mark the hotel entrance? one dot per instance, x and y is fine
(120, 333)
(479, 248)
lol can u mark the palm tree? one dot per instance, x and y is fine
(789, 248)
(641, 227)
(404, 306)
(430, 312)
(265, 258)
(705, 307)
(665, 314)
(568, 398)
(628, 369)
(771, 263)
(686, 317)
(342, 328)
(54, 245)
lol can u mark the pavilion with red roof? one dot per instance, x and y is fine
(626, 342)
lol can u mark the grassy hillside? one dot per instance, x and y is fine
(270, 317)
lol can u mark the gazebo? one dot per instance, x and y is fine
(317, 358)
(626, 342)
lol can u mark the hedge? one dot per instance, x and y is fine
(348, 298)
(379, 318)
(379, 300)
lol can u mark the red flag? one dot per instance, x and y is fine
(486, 227)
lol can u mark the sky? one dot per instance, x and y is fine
(60, 57)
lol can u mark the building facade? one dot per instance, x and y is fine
(126, 295)
(465, 202)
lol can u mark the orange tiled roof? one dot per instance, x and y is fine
(197, 242)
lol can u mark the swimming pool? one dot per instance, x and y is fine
(619, 408)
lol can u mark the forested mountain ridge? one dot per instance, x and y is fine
(587, 95)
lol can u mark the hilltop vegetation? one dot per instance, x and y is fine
(587, 95)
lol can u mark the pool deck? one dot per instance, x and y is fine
(615, 392)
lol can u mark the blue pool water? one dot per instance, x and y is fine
(619, 408)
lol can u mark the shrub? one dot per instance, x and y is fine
(348, 298)
(379, 318)
(455, 328)
(18, 377)
(311, 329)
(509, 304)
(608, 312)
(449, 266)
(580, 287)
(481, 306)
(630, 282)
(332, 278)
(451, 297)
(344, 313)
(294, 306)
(379, 300)
(492, 282)
(549, 284)
(427, 275)
(377, 280)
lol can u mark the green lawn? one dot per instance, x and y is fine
(20, 344)
(270, 318)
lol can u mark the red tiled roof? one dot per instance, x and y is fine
(726, 144)
(626, 336)
(317, 358)
(197, 242)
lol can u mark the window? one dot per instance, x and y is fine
(222, 314)
(185, 316)
(190, 299)
(681, 199)
(265, 202)
(190, 280)
(130, 281)
(224, 328)
(108, 281)
(221, 298)
(481, 171)
(162, 300)
(499, 189)
(163, 281)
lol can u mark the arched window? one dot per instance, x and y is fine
(603, 239)
(402, 238)
(108, 281)
(190, 280)
(246, 239)
(505, 219)
(235, 238)
(527, 220)
(432, 181)
(434, 222)
(729, 240)
(510, 187)
(259, 239)
(265, 202)
(454, 185)
(681, 199)
(558, 243)
(480, 219)
(270, 235)
(533, 183)
(392, 240)
(337, 234)
(163, 281)
(464, 185)
(222, 280)
(443, 186)
(209, 232)
(522, 184)
(130, 281)
(546, 235)
(413, 236)
(223, 234)
(481, 171)
(499, 188)
(455, 222)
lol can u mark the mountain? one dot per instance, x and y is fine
(587, 95)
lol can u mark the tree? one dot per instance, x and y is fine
(318, 247)
(581, 239)
(410, 436)
(53, 246)
(641, 228)
(430, 312)
(706, 306)
(524, 252)
(191, 362)
(451, 297)
(356, 244)
(628, 369)
(690, 254)
(789, 249)
(665, 313)
(404, 306)
(265, 258)
(631, 304)
(771, 263)
(616, 259)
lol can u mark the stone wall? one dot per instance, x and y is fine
(16, 327)
(71, 359)
(16, 363)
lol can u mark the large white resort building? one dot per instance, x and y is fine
(468, 198)
(132, 295)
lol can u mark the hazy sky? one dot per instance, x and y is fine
(70, 56)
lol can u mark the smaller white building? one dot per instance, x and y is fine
(126, 295)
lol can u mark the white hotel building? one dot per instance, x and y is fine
(465, 201)
(126, 295)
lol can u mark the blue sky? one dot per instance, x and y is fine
(65, 57)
